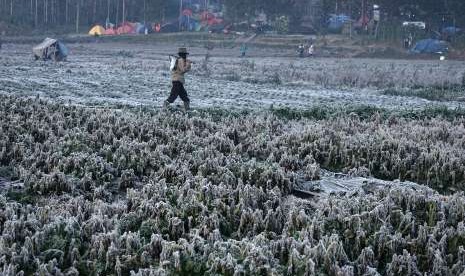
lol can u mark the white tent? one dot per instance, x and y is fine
(50, 49)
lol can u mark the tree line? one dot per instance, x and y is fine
(39, 14)
(75, 13)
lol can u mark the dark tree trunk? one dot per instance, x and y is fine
(117, 13)
(124, 11)
(108, 12)
(66, 12)
(78, 10)
(94, 12)
(36, 15)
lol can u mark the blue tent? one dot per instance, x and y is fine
(451, 31)
(170, 28)
(141, 28)
(337, 21)
(63, 50)
(430, 46)
(189, 23)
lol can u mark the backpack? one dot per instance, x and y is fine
(173, 63)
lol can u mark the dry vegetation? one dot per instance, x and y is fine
(434, 93)
(338, 73)
(114, 191)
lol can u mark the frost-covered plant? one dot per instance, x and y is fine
(341, 73)
(159, 194)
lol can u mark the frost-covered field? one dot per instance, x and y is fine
(119, 190)
(138, 74)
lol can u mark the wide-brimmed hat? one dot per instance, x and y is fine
(182, 50)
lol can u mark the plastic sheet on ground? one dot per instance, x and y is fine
(335, 183)
(430, 46)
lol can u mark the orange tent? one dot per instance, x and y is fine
(110, 31)
(126, 28)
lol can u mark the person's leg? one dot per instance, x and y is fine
(184, 97)
(175, 89)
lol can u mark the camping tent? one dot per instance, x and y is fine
(140, 28)
(430, 46)
(336, 22)
(169, 28)
(50, 49)
(451, 31)
(217, 28)
(110, 31)
(126, 28)
(189, 23)
(97, 30)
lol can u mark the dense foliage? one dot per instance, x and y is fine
(110, 191)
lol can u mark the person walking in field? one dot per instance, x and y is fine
(181, 66)
(301, 50)
(243, 50)
(311, 50)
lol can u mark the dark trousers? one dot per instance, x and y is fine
(178, 90)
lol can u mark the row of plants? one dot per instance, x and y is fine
(120, 191)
